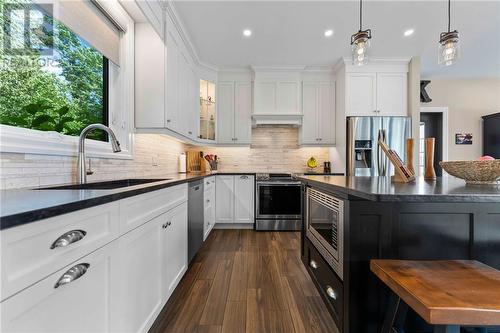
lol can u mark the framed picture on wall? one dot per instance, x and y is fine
(463, 138)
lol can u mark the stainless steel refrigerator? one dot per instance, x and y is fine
(364, 156)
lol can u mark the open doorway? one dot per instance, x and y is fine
(434, 124)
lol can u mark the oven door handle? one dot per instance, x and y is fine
(274, 183)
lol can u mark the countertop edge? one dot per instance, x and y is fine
(30, 216)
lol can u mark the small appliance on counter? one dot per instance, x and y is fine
(327, 167)
(182, 163)
(278, 204)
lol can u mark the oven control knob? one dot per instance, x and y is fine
(331, 293)
(313, 264)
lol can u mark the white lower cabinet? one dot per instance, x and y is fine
(209, 207)
(234, 200)
(224, 199)
(140, 281)
(120, 286)
(243, 199)
(86, 303)
(174, 254)
(153, 259)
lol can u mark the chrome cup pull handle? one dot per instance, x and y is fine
(72, 274)
(331, 292)
(68, 238)
(313, 264)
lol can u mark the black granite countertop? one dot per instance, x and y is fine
(446, 189)
(23, 206)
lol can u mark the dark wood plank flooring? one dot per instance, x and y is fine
(246, 281)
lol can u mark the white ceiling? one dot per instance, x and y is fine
(291, 32)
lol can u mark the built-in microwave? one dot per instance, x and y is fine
(325, 227)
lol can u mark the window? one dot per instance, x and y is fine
(50, 78)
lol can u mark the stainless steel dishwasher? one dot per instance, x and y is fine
(195, 218)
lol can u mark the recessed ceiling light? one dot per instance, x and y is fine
(328, 33)
(247, 32)
(409, 32)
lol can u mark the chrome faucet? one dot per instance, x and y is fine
(82, 168)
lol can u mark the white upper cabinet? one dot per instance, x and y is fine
(167, 83)
(234, 116)
(376, 94)
(243, 112)
(277, 92)
(318, 105)
(149, 78)
(225, 119)
(361, 89)
(392, 90)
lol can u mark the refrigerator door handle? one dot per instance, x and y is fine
(380, 158)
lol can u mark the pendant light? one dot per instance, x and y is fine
(449, 50)
(360, 41)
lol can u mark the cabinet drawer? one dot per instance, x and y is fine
(330, 286)
(85, 304)
(140, 209)
(209, 183)
(33, 251)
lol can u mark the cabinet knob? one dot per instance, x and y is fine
(244, 177)
(313, 264)
(190, 132)
(72, 274)
(331, 292)
(168, 120)
(68, 238)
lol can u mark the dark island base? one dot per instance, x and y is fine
(399, 230)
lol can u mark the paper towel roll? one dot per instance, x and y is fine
(182, 163)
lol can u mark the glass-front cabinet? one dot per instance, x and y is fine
(207, 110)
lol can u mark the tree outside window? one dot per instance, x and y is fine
(50, 78)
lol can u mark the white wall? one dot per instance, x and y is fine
(467, 100)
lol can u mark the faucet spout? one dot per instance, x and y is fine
(82, 168)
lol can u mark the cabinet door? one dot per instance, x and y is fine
(86, 304)
(175, 249)
(326, 113)
(266, 97)
(243, 112)
(243, 199)
(288, 97)
(209, 212)
(224, 199)
(183, 95)
(141, 276)
(193, 102)
(392, 91)
(361, 94)
(309, 131)
(225, 116)
(149, 78)
(172, 88)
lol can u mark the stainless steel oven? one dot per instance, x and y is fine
(278, 202)
(325, 227)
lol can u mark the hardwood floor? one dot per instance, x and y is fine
(246, 281)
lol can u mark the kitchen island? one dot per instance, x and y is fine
(422, 220)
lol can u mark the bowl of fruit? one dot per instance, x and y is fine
(486, 170)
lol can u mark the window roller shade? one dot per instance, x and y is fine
(88, 21)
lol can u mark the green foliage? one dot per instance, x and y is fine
(63, 93)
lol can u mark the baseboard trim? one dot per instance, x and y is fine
(233, 226)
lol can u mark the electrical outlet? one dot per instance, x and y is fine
(155, 160)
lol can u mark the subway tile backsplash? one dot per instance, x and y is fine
(273, 149)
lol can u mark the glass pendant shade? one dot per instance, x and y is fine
(360, 43)
(449, 48)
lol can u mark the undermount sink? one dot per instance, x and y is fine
(108, 185)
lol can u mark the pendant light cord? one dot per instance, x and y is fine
(360, 15)
(449, 15)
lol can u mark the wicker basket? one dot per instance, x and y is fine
(474, 172)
